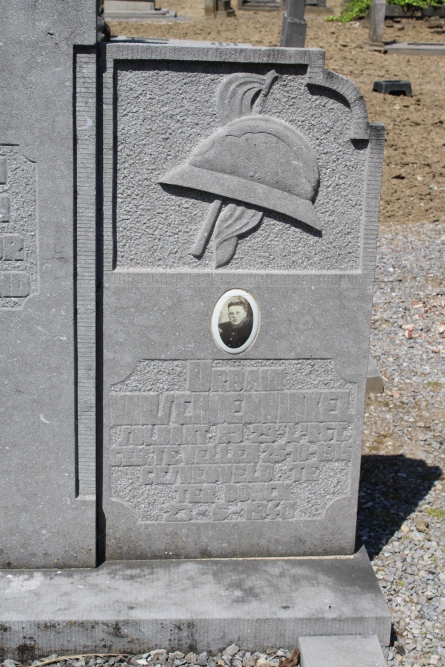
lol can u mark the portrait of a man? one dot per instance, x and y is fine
(236, 331)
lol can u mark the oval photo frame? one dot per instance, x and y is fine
(235, 321)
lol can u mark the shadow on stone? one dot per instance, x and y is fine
(391, 487)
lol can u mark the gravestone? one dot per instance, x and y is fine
(188, 251)
(377, 24)
(47, 519)
(225, 180)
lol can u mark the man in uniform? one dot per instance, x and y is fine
(237, 330)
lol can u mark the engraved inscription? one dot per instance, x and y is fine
(18, 243)
(233, 443)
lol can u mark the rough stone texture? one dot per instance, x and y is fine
(193, 605)
(343, 651)
(206, 455)
(42, 521)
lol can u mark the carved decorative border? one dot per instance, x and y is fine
(85, 136)
(318, 76)
(373, 185)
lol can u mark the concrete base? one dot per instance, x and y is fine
(376, 46)
(224, 13)
(346, 651)
(175, 42)
(374, 381)
(260, 6)
(188, 604)
(416, 49)
(140, 15)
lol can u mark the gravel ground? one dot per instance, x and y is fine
(401, 517)
(232, 656)
(402, 499)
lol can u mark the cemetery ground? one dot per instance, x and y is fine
(401, 518)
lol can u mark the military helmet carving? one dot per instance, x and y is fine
(254, 160)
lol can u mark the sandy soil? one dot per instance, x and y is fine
(414, 172)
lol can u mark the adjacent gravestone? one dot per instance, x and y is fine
(47, 517)
(218, 8)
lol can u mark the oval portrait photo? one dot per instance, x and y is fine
(235, 321)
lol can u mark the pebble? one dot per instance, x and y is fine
(232, 656)
(401, 514)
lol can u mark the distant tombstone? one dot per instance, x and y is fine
(293, 31)
(316, 3)
(218, 8)
(377, 24)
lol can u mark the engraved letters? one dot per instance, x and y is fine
(18, 249)
(235, 444)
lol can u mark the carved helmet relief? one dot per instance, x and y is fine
(254, 162)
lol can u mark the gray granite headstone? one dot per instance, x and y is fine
(241, 196)
(47, 517)
(187, 248)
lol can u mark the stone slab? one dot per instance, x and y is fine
(397, 11)
(196, 604)
(140, 15)
(128, 5)
(121, 39)
(47, 520)
(374, 380)
(415, 49)
(185, 449)
(259, 6)
(341, 651)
